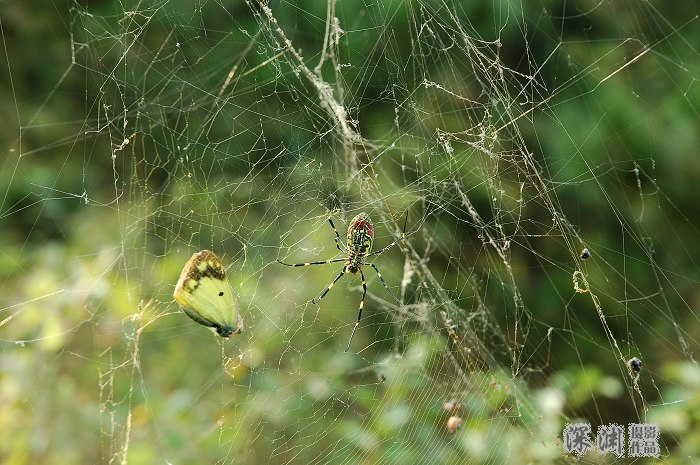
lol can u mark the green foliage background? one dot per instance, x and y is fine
(120, 159)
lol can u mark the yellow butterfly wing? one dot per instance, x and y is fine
(206, 296)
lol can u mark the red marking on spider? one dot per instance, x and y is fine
(362, 225)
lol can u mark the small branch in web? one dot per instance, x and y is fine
(238, 63)
(330, 13)
(408, 273)
(637, 57)
(325, 92)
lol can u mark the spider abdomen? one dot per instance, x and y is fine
(360, 235)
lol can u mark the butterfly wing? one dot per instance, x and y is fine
(206, 295)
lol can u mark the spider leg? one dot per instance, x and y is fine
(323, 294)
(403, 236)
(384, 282)
(385, 248)
(332, 260)
(338, 240)
(359, 312)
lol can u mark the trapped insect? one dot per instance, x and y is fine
(451, 406)
(453, 424)
(360, 237)
(206, 296)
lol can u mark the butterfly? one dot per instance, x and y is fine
(206, 295)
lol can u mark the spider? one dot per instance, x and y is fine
(360, 237)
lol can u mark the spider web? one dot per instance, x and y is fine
(513, 135)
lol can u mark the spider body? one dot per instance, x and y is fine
(635, 364)
(360, 237)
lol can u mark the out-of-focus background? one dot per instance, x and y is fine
(513, 134)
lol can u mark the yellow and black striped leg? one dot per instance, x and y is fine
(384, 283)
(323, 294)
(403, 236)
(338, 240)
(359, 312)
(332, 260)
